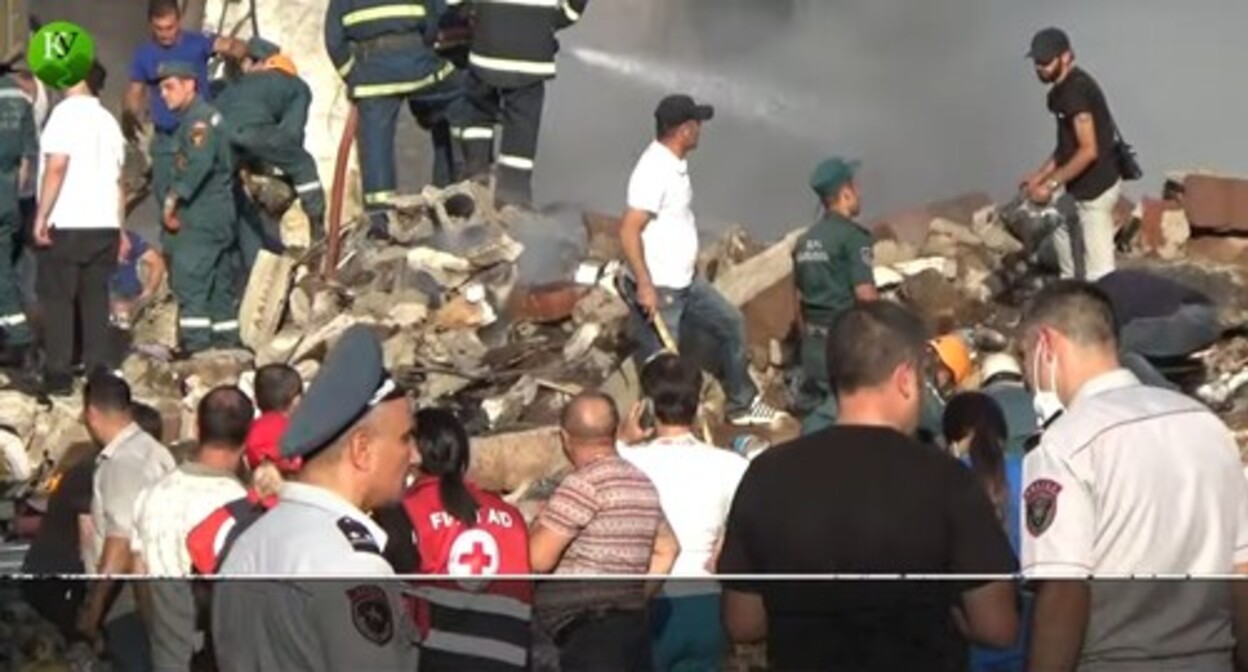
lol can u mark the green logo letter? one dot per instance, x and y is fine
(60, 54)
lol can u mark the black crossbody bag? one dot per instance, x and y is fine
(1128, 164)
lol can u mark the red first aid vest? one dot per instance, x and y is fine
(212, 538)
(498, 544)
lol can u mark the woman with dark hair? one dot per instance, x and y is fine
(976, 432)
(463, 531)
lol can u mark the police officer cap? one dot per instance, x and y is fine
(832, 174)
(352, 381)
(259, 48)
(176, 69)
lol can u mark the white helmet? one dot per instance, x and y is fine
(997, 363)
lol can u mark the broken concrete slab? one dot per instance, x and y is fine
(1216, 203)
(582, 340)
(264, 301)
(912, 226)
(961, 233)
(484, 246)
(20, 412)
(888, 252)
(506, 408)
(602, 233)
(511, 462)
(463, 313)
(151, 377)
(399, 351)
(745, 281)
(448, 270)
(937, 301)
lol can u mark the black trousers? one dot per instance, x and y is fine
(58, 602)
(611, 640)
(72, 284)
(520, 110)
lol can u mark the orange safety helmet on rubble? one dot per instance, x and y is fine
(955, 354)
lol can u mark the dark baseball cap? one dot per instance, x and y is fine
(1048, 44)
(677, 109)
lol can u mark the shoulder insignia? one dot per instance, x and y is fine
(371, 614)
(358, 535)
(1041, 500)
(199, 133)
(868, 254)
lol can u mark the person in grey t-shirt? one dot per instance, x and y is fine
(129, 461)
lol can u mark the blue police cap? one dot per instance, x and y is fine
(832, 174)
(259, 48)
(352, 381)
(176, 69)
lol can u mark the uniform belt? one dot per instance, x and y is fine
(388, 43)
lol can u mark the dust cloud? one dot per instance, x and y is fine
(936, 97)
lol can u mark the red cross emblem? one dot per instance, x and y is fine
(474, 553)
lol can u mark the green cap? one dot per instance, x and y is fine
(176, 69)
(259, 48)
(832, 174)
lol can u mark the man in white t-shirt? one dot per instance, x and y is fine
(167, 511)
(1127, 480)
(78, 228)
(696, 483)
(660, 240)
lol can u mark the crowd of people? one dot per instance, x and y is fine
(1069, 456)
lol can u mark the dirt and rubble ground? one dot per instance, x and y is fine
(465, 324)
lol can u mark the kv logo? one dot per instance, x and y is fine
(58, 45)
(60, 54)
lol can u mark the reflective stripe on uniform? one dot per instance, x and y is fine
(346, 67)
(569, 12)
(441, 640)
(401, 88)
(517, 162)
(383, 12)
(378, 198)
(195, 323)
(510, 65)
(13, 320)
(501, 605)
(307, 187)
(230, 325)
(479, 133)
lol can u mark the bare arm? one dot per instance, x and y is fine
(1061, 617)
(116, 559)
(133, 109)
(744, 616)
(55, 167)
(1042, 173)
(631, 226)
(546, 547)
(156, 272)
(86, 532)
(1085, 156)
(866, 292)
(991, 614)
(662, 556)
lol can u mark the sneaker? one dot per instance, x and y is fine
(759, 413)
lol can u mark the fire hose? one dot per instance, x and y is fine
(333, 227)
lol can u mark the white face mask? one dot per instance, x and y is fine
(1046, 402)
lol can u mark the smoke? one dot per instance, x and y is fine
(935, 97)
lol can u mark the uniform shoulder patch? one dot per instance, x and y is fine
(371, 614)
(867, 253)
(1040, 497)
(358, 535)
(199, 133)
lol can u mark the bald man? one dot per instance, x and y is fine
(605, 518)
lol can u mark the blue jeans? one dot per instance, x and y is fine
(697, 311)
(126, 643)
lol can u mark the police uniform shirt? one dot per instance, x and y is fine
(1139, 480)
(311, 625)
(830, 259)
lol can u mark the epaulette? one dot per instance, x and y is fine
(358, 535)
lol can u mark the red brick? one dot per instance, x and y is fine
(1152, 238)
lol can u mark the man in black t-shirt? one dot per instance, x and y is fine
(57, 549)
(1085, 162)
(864, 497)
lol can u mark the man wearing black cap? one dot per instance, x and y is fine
(353, 432)
(1085, 162)
(660, 240)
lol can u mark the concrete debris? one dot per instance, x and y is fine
(447, 270)
(265, 298)
(582, 340)
(1216, 203)
(512, 462)
(507, 408)
(602, 234)
(937, 301)
(889, 252)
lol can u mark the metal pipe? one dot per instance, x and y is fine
(333, 227)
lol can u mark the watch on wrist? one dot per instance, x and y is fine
(1053, 185)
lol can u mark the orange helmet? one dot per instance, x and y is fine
(282, 62)
(955, 354)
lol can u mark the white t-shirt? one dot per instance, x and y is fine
(82, 129)
(166, 512)
(660, 185)
(696, 483)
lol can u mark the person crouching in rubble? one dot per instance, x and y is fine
(1159, 321)
(832, 271)
(140, 275)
